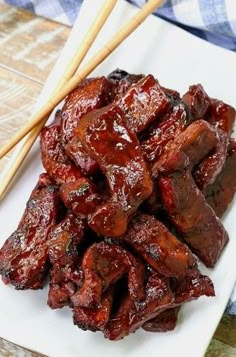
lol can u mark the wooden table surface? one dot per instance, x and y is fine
(29, 46)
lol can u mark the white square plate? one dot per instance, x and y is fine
(178, 60)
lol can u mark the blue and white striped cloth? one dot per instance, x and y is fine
(212, 20)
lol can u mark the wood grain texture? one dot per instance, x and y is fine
(18, 96)
(29, 46)
(226, 330)
(220, 349)
(8, 349)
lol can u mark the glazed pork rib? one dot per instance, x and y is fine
(120, 81)
(197, 222)
(80, 196)
(159, 247)
(144, 102)
(222, 117)
(154, 310)
(116, 149)
(77, 153)
(161, 133)
(208, 170)
(65, 274)
(91, 94)
(196, 142)
(220, 194)
(185, 290)
(53, 155)
(163, 322)
(197, 102)
(132, 314)
(193, 106)
(192, 288)
(103, 265)
(24, 255)
(94, 318)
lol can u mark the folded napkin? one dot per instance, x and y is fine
(212, 20)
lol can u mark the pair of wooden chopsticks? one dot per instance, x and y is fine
(71, 78)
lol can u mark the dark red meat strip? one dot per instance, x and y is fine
(103, 265)
(54, 158)
(192, 216)
(221, 192)
(80, 196)
(192, 288)
(222, 117)
(162, 133)
(24, 255)
(77, 153)
(120, 82)
(90, 94)
(194, 106)
(163, 322)
(131, 314)
(196, 142)
(185, 289)
(158, 247)
(208, 170)
(143, 103)
(66, 273)
(196, 101)
(197, 222)
(94, 318)
(116, 149)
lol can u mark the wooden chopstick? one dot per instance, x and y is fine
(75, 61)
(81, 74)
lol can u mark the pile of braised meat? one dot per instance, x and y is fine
(137, 179)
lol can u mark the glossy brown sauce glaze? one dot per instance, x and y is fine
(108, 140)
(24, 256)
(136, 180)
